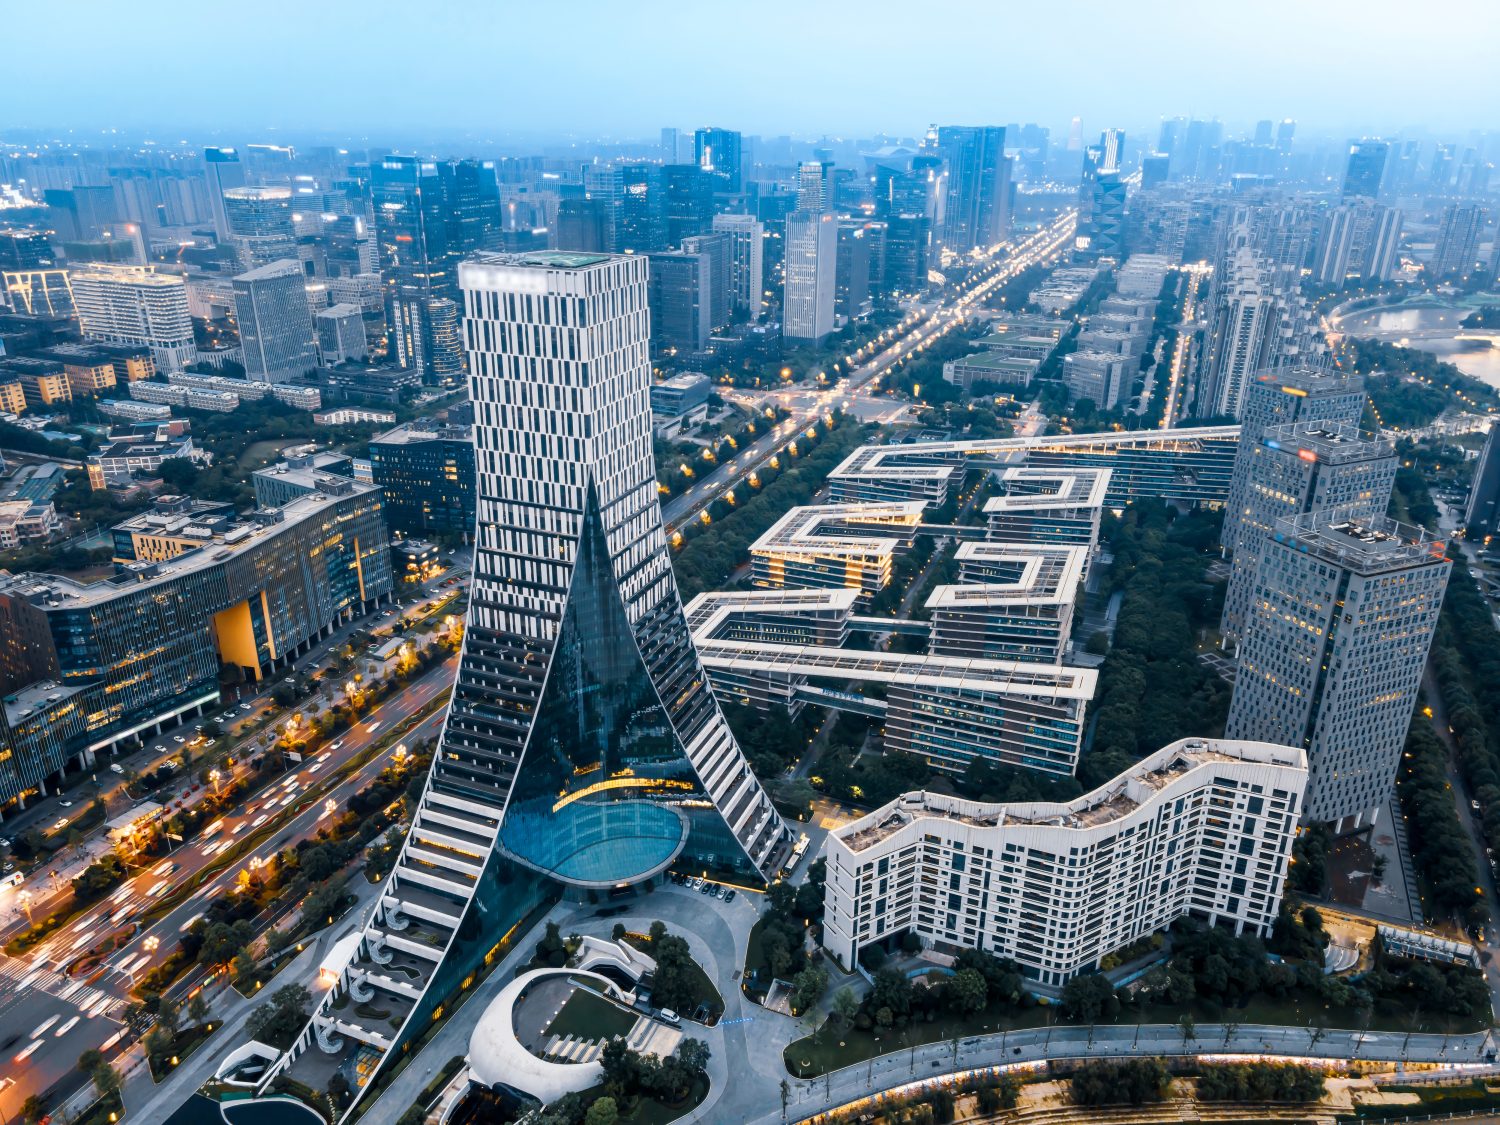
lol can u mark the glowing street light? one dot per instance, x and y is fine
(151, 944)
(25, 897)
(214, 776)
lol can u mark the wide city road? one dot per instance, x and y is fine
(292, 807)
(906, 1071)
(916, 332)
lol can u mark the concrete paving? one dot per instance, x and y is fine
(910, 1070)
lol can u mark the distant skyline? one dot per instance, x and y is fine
(606, 71)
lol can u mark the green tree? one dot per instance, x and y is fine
(1089, 998)
(278, 1021)
(602, 1112)
(197, 1008)
(845, 1006)
(807, 988)
(965, 991)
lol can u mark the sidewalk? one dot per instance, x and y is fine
(150, 1102)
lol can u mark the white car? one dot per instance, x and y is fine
(117, 767)
(177, 738)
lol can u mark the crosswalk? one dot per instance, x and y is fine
(90, 1001)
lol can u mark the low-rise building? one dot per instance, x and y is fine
(190, 398)
(680, 394)
(1200, 829)
(353, 415)
(119, 460)
(43, 382)
(133, 411)
(22, 521)
(993, 368)
(12, 395)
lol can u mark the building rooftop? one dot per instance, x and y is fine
(1305, 379)
(24, 703)
(1041, 489)
(1110, 802)
(943, 459)
(1034, 574)
(283, 267)
(824, 529)
(1350, 538)
(686, 381)
(54, 591)
(423, 430)
(546, 259)
(1333, 442)
(708, 613)
(988, 359)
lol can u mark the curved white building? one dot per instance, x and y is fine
(1201, 828)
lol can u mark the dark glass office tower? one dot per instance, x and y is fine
(717, 152)
(977, 211)
(428, 216)
(1365, 170)
(583, 748)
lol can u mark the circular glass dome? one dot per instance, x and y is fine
(595, 844)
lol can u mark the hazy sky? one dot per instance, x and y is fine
(625, 68)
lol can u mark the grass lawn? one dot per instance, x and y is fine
(649, 1111)
(585, 1015)
(260, 453)
(652, 1112)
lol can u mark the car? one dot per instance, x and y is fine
(63, 823)
(7, 867)
(729, 895)
(211, 742)
(116, 767)
(669, 1016)
(179, 739)
(247, 707)
(66, 804)
(707, 889)
(1474, 805)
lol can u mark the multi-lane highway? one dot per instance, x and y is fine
(919, 330)
(291, 807)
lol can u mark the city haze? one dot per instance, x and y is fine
(596, 70)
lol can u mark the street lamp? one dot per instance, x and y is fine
(25, 897)
(213, 779)
(151, 944)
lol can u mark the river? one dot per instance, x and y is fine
(1472, 357)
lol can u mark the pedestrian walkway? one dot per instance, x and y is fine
(16, 974)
